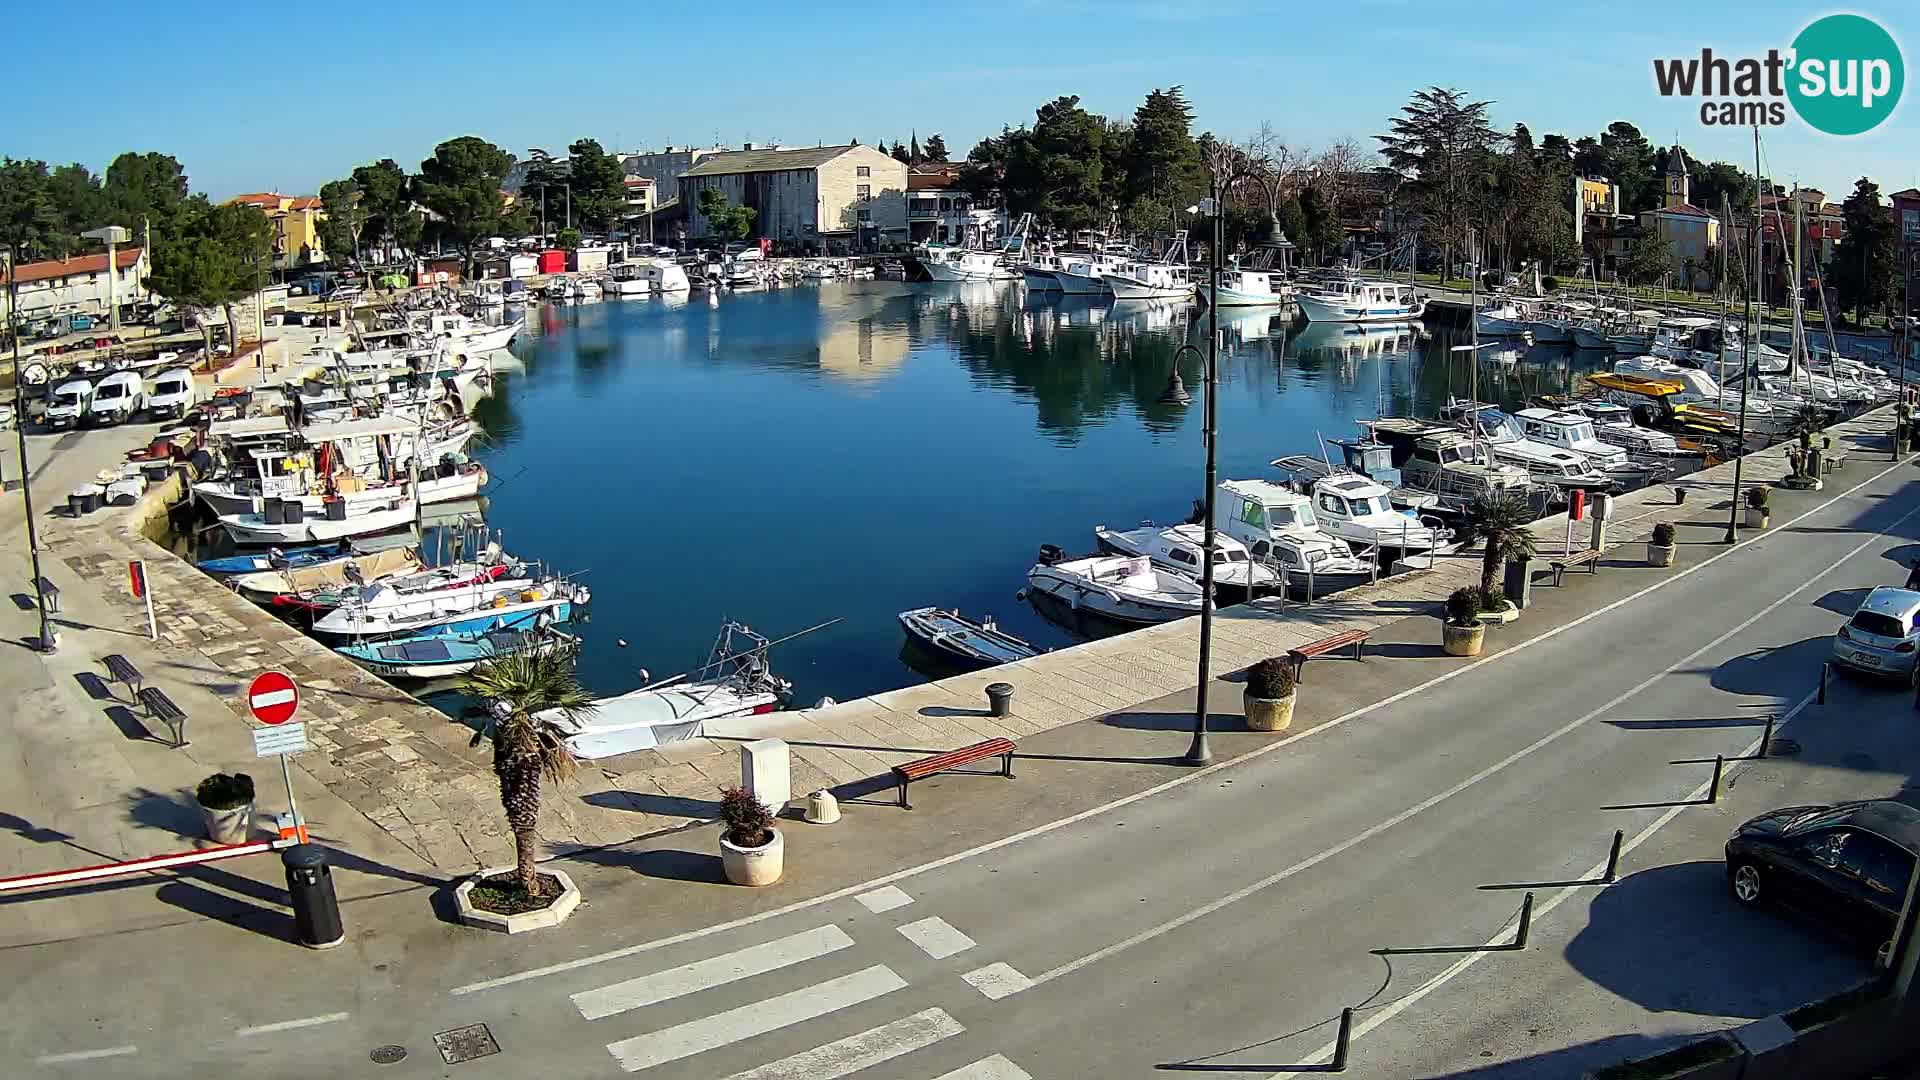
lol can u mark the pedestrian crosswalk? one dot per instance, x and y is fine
(746, 974)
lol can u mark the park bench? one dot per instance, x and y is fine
(1589, 558)
(1832, 459)
(50, 593)
(953, 759)
(1299, 656)
(121, 670)
(161, 707)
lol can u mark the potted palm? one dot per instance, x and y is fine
(226, 805)
(1462, 634)
(751, 850)
(1759, 503)
(1660, 549)
(1269, 696)
(1501, 524)
(536, 699)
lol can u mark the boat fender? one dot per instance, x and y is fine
(825, 702)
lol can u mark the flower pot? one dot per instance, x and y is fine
(1660, 554)
(1756, 517)
(1463, 640)
(229, 826)
(753, 866)
(1269, 714)
(1508, 612)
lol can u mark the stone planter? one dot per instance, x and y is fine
(1660, 554)
(228, 826)
(553, 914)
(1509, 612)
(753, 866)
(1269, 714)
(1463, 640)
(1757, 518)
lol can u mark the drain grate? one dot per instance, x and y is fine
(465, 1043)
(387, 1055)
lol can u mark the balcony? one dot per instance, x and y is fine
(923, 213)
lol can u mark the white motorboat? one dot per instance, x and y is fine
(1613, 423)
(625, 281)
(1038, 272)
(1699, 388)
(1180, 548)
(1125, 589)
(1450, 464)
(1280, 530)
(1085, 274)
(1573, 433)
(1168, 279)
(1244, 288)
(285, 522)
(1503, 436)
(1504, 316)
(1359, 511)
(505, 603)
(1352, 300)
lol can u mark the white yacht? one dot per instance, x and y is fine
(1546, 464)
(1122, 588)
(283, 522)
(1573, 433)
(1244, 288)
(1613, 423)
(626, 280)
(1180, 548)
(1279, 528)
(1352, 300)
(1450, 464)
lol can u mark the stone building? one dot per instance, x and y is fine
(827, 199)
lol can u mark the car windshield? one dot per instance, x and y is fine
(1874, 622)
(1816, 818)
(67, 397)
(111, 391)
(170, 388)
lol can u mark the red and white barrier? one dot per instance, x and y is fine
(138, 866)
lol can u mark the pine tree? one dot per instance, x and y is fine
(1863, 266)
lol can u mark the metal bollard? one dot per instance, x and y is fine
(1766, 737)
(1000, 699)
(1613, 858)
(1526, 923)
(1719, 766)
(1679, 495)
(1341, 1041)
(1825, 668)
(316, 911)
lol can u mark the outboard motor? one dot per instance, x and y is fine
(1051, 554)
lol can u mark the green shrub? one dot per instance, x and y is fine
(1492, 600)
(1663, 534)
(1271, 678)
(1759, 498)
(222, 791)
(749, 824)
(1463, 606)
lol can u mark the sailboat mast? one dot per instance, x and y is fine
(1726, 293)
(1797, 336)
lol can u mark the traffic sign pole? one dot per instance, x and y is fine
(293, 809)
(137, 576)
(274, 697)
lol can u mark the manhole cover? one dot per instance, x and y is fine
(466, 1043)
(387, 1055)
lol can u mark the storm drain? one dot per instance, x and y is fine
(388, 1055)
(466, 1043)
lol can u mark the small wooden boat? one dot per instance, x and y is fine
(961, 641)
(431, 656)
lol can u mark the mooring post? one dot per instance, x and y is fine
(1719, 766)
(1613, 858)
(1341, 1040)
(1526, 922)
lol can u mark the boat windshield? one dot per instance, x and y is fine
(1369, 504)
(1230, 556)
(1580, 432)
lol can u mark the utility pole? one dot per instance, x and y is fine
(48, 640)
(1198, 752)
(1752, 343)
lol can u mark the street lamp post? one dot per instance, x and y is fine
(1751, 346)
(48, 641)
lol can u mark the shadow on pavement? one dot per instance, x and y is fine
(176, 812)
(667, 864)
(646, 803)
(1786, 671)
(1572, 1060)
(1165, 721)
(1671, 939)
(1842, 602)
(130, 725)
(230, 910)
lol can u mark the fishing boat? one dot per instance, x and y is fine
(1613, 423)
(1451, 465)
(1279, 528)
(1168, 279)
(963, 264)
(1125, 589)
(323, 596)
(1356, 509)
(1181, 549)
(1352, 300)
(296, 558)
(960, 641)
(1085, 274)
(1503, 437)
(1245, 288)
(1503, 316)
(1038, 272)
(514, 603)
(735, 681)
(273, 585)
(282, 522)
(433, 656)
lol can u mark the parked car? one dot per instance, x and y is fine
(1846, 864)
(1881, 639)
(117, 398)
(68, 404)
(173, 394)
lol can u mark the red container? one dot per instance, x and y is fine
(553, 262)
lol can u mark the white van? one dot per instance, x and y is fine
(173, 394)
(117, 397)
(68, 403)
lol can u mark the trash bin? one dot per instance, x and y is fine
(1519, 583)
(316, 911)
(1000, 698)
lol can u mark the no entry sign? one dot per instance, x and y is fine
(273, 698)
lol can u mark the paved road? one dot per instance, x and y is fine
(1219, 926)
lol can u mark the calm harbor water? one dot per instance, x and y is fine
(849, 451)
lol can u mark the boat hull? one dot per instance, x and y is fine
(1039, 280)
(1341, 310)
(254, 529)
(1078, 595)
(1124, 288)
(1080, 284)
(1237, 298)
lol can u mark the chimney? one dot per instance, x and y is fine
(746, 146)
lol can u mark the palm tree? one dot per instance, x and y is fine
(527, 748)
(1501, 524)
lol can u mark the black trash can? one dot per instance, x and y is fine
(316, 911)
(1000, 698)
(1519, 583)
(336, 509)
(292, 511)
(270, 511)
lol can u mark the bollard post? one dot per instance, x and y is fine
(1526, 923)
(1825, 666)
(1613, 858)
(1341, 1041)
(1719, 765)
(1766, 737)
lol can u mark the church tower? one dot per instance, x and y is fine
(1677, 183)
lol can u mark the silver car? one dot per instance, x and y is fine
(1881, 637)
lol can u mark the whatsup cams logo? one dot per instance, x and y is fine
(1842, 75)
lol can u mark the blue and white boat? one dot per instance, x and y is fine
(511, 603)
(434, 655)
(1352, 300)
(299, 558)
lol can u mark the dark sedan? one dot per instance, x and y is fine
(1847, 864)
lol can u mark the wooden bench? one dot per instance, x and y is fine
(953, 759)
(1832, 459)
(1589, 558)
(161, 707)
(121, 670)
(1299, 656)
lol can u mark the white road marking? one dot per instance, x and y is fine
(1159, 789)
(847, 1056)
(755, 1018)
(271, 697)
(936, 937)
(884, 899)
(1429, 803)
(290, 1025)
(997, 981)
(988, 1068)
(718, 971)
(84, 1055)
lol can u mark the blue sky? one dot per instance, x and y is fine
(286, 96)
